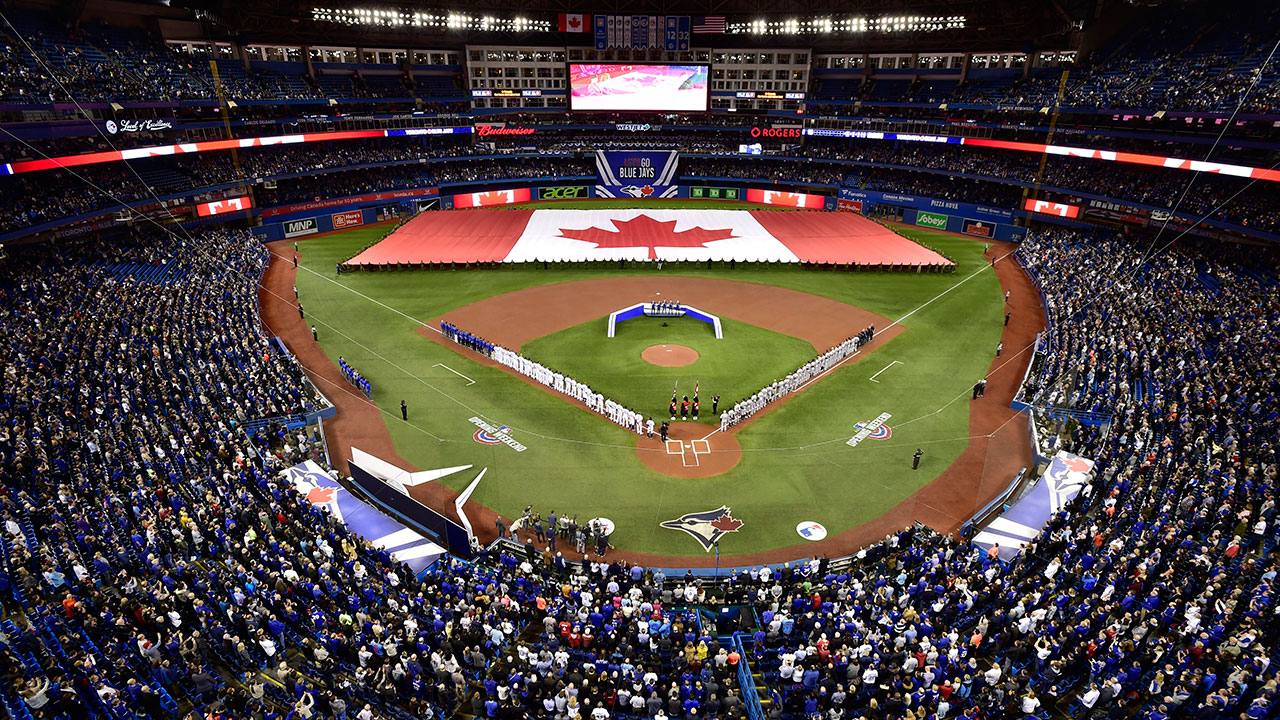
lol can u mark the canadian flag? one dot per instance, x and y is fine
(788, 199)
(492, 197)
(574, 22)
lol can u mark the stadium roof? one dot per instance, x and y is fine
(1012, 25)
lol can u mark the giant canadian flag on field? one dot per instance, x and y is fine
(647, 235)
(493, 235)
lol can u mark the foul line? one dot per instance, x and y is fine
(971, 276)
(455, 372)
(886, 367)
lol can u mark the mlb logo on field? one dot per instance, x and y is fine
(811, 531)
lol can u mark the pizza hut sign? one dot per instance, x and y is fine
(487, 130)
(775, 132)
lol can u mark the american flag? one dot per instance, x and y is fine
(705, 24)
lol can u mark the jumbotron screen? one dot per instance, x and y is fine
(675, 88)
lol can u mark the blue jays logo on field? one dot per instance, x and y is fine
(884, 432)
(484, 436)
(706, 527)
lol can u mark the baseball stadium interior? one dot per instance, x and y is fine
(653, 360)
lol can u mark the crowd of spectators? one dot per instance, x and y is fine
(104, 187)
(154, 562)
(151, 560)
(44, 62)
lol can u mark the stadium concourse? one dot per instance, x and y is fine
(492, 236)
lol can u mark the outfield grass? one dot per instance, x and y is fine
(795, 467)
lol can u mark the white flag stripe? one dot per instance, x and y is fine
(403, 536)
(1009, 527)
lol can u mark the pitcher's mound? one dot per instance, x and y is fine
(669, 355)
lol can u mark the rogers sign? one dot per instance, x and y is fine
(486, 130)
(775, 132)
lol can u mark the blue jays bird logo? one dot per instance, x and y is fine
(706, 527)
(637, 192)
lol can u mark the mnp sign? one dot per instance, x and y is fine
(636, 173)
(305, 226)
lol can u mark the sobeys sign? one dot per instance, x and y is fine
(933, 220)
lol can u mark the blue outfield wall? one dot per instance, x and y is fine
(323, 222)
(975, 227)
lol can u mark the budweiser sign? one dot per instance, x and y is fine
(487, 130)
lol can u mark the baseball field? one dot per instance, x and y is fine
(936, 336)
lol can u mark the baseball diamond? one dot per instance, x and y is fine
(776, 320)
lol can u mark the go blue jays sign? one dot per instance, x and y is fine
(636, 173)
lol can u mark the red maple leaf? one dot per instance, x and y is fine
(726, 523)
(644, 231)
(574, 22)
(493, 197)
(321, 495)
(1077, 465)
(647, 190)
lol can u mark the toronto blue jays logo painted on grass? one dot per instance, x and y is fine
(884, 432)
(706, 527)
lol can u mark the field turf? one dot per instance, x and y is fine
(733, 366)
(795, 465)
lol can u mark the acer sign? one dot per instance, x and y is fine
(763, 132)
(567, 192)
(1044, 207)
(219, 207)
(785, 199)
(348, 219)
(488, 130)
(492, 197)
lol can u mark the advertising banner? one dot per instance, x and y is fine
(305, 226)
(352, 200)
(977, 227)
(636, 173)
(713, 193)
(949, 207)
(849, 205)
(564, 192)
(348, 219)
(933, 220)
